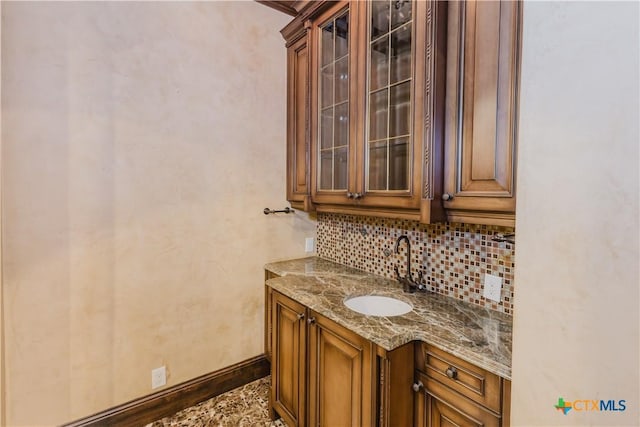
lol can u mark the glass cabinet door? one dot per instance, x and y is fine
(389, 139)
(333, 100)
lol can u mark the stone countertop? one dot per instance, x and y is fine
(470, 332)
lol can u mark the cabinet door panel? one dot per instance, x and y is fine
(487, 139)
(298, 187)
(402, 112)
(395, 371)
(339, 376)
(331, 106)
(389, 109)
(377, 107)
(481, 122)
(288, 359)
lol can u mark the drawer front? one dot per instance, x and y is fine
(467, 379)
(439, 406)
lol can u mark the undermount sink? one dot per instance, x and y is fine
(377, 305)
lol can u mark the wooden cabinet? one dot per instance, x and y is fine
(372, 114)
(395, 370)
(340, 375)
(298, 186)
(374, 108)
(323, 374)
(453, 392)
(288, 359)
(337, 389)
(333, 106)
(404, 109)
(483, 55)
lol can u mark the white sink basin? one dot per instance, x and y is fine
(377, 305)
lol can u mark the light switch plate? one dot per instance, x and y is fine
(492, 287)
(309, 244)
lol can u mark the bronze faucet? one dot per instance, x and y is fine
(407, 281)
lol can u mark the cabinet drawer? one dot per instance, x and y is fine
(475, 383)
(439, 406)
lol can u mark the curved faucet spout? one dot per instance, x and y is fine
(407, 281)
(397, 249)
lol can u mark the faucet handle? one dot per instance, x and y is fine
(421, 284)
(420, 276)
(397, 271)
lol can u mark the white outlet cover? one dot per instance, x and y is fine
(158, 377)
(492, 287)
(309, 244)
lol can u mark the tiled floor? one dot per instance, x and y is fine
(243, 406)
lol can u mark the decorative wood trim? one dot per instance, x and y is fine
(297, 205)
(506, 403)
(427, 173)
(431, 209)
(294, 31)
(310, 9)
(367, 211)
(167, 402)
(306, 205)
(488, 218)
(281, 6)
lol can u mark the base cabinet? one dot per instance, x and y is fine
(340, 375)
(453, 392)
(323, 374)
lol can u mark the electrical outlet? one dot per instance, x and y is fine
(492, 287)
(158, 377)
(309, 244)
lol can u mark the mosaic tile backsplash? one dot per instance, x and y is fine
(453, 257)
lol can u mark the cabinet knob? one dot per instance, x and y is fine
(311, 320)
(446, 197)
(357, 196)
(417, 386)
(452, 372)
(350, 195)
(300, 316)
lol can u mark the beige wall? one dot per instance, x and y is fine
(141, 142)
(576, 320)
(2, 419)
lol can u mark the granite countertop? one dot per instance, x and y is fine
(475, 334)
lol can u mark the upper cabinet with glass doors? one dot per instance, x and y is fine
(388, 111)
(376, 115)
(404, 109)
(333, 102)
